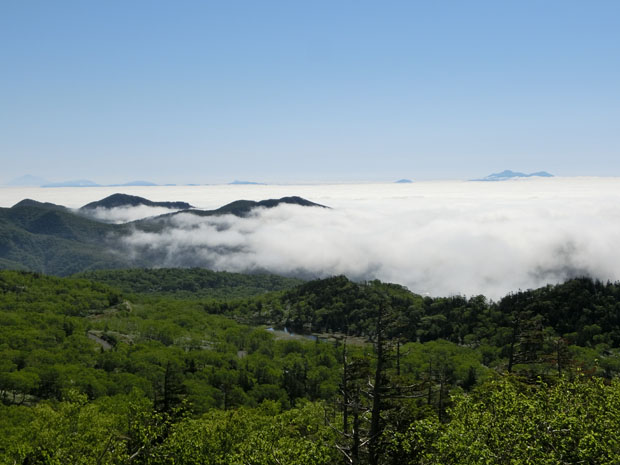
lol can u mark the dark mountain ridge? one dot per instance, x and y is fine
(56, 240)
(125, 200)
(242, 208)
(34, 203)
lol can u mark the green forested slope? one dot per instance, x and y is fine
(52, 240)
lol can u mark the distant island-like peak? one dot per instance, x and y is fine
(74, 183)
(508, 174)
(403, 181)
(139, 183)
(246, 183)
(27, 181)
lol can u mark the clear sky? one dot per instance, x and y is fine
(211, 91)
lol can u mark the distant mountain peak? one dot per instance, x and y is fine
(125, 200)
(27, 181)
(509, 174)
(74, 183)
(251, 183)
(403, 181)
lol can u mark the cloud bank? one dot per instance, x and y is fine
(456, 238)
(120, 215)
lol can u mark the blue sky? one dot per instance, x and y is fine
(202, 92)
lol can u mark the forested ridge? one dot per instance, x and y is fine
(177, 367)
(195, 283)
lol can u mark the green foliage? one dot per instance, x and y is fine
(505, 423)
(297, 436)
(127, 429)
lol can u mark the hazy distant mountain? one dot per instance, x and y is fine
(53, 239)
(235, 182)
(74, 183)
(124, 200)
(35, 181)
(27, 181)
(507, 174)
(403, 181)
(542, 174)
(137, 183)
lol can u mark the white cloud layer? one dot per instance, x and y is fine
(465, 238)
(434, 237)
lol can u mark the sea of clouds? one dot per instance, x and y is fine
(439, 238)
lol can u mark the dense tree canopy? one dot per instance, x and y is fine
(158, 367)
